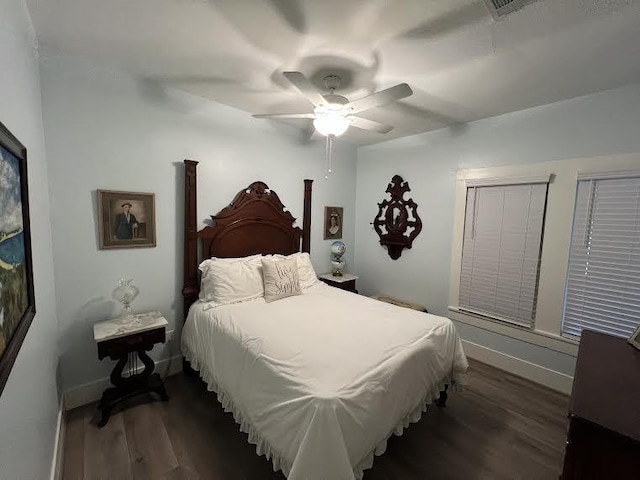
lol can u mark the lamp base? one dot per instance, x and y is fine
(338, 266)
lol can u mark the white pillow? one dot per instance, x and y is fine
(231, 280)
(306, 273)
(280, 279)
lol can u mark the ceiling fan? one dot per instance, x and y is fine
(333, 114)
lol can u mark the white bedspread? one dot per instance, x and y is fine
(319, 381)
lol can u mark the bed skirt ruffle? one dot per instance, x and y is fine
(455, 381)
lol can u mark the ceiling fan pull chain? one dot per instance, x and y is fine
(329, 154)
(331, 137)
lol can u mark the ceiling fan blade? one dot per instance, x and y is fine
(380, 98)
(284, 115)
(370, 125)
(306, 88)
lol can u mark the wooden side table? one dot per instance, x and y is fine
(345, 282)
(122, 339)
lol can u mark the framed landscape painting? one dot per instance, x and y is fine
(17, 301)
(126, 219)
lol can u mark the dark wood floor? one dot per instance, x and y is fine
(501, 427)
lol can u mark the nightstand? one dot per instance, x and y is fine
(345, 282)
(122, 339)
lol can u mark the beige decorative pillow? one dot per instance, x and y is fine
(280, 279)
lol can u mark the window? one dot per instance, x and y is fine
(501, 249)
(603, 278)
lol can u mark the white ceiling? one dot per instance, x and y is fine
(461, 64)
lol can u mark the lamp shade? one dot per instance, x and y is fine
(330, 121)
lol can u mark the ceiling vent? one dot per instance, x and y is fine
(500, 8)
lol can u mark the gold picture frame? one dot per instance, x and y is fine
(126, 219)
(333, 223)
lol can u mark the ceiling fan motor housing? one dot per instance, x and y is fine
(336, 100)
(332, 82)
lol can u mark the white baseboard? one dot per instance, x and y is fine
(58, 446)
(542, 375)
(91, 392)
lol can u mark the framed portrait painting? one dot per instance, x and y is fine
(126, 219)
(332, 223)
(17, 300)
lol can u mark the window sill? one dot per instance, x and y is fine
(535, 337)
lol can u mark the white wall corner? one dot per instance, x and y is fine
(557, 381)
(57, 461)
(92, 391)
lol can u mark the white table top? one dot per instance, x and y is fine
(121, 327)
(344, 278)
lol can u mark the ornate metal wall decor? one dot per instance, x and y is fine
(397, 222)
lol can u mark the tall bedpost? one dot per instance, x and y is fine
(306, 219)
(190, 285)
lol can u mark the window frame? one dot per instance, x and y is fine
(554, 260)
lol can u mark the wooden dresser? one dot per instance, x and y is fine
(604, 414)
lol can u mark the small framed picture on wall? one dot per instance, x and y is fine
(126, 219)
(332, 223)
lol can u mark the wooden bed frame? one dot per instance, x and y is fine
(255, 221)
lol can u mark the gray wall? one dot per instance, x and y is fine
(107, 130)
(29, 403)
(605, 123)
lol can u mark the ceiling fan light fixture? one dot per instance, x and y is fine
(331, 125)
(334, 114)
(330, 121)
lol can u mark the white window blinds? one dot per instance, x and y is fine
(501, 251)
(603, 278)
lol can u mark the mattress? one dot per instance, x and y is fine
(321, 380)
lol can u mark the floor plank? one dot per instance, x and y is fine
(150, 450)
(501, 427)
(195, 448)
(73, 465)
(106, 455)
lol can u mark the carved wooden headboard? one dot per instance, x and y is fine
(254, 222)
